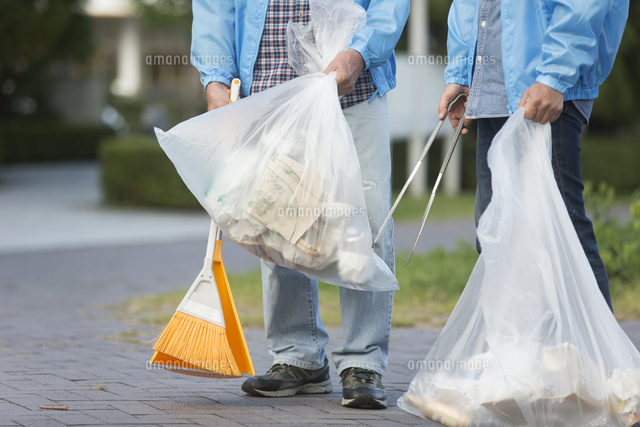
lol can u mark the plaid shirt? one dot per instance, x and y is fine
(271, 67)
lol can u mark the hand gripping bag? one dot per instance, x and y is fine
(531, 342)
(278, 171)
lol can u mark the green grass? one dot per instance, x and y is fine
(429, 289)
(624, 296)
(458, 207)
(431, 285)
(444, 207)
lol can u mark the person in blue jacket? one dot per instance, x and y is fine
(246, 39)
(546, 56)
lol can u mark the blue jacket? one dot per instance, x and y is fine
(226, 37)
(568, 45)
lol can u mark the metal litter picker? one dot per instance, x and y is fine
(447, 158)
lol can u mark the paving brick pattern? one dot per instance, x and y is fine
(59, 345)
(56, 349)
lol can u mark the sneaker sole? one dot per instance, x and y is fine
(364, 401)
(311, 388)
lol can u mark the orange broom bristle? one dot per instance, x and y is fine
(199, 343)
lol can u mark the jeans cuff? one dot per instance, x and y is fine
(298, 363)
(357, 364)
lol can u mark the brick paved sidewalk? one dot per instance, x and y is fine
(58, 346)
(103, 382)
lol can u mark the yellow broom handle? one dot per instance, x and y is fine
(211, 243)
(234, 91)
(214, 232)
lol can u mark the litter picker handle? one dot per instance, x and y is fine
(411, 176)
(425, 150)
(435, 186)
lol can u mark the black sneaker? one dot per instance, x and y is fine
(286, 380)
(362, 388)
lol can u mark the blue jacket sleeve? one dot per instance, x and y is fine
(212, 41)
(377, 39)
(571, 45)
(462, 25)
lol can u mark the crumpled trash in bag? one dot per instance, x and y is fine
(625, 385)
(532, 310)
(278, 171)
(287, 183)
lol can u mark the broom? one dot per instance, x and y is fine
(204, 336)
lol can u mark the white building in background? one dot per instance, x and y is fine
(80, 94)
(121, 16)
(132, 63)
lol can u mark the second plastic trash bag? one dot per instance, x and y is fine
(531, 341)
(278, 171)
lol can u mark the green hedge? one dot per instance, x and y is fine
(37, 141)
(610, 159)
(399, 162)
(136, 172)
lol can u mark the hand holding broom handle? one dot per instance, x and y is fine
(417, 166)
(214, 232)
(234, 91)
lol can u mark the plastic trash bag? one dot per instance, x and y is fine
(531, 341)
(278, 171)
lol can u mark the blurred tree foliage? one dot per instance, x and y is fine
(438, 13)
(161, 13)
(35, 34)
(616, 106)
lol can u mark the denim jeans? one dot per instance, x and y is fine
(295, 333)
(565, 159)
